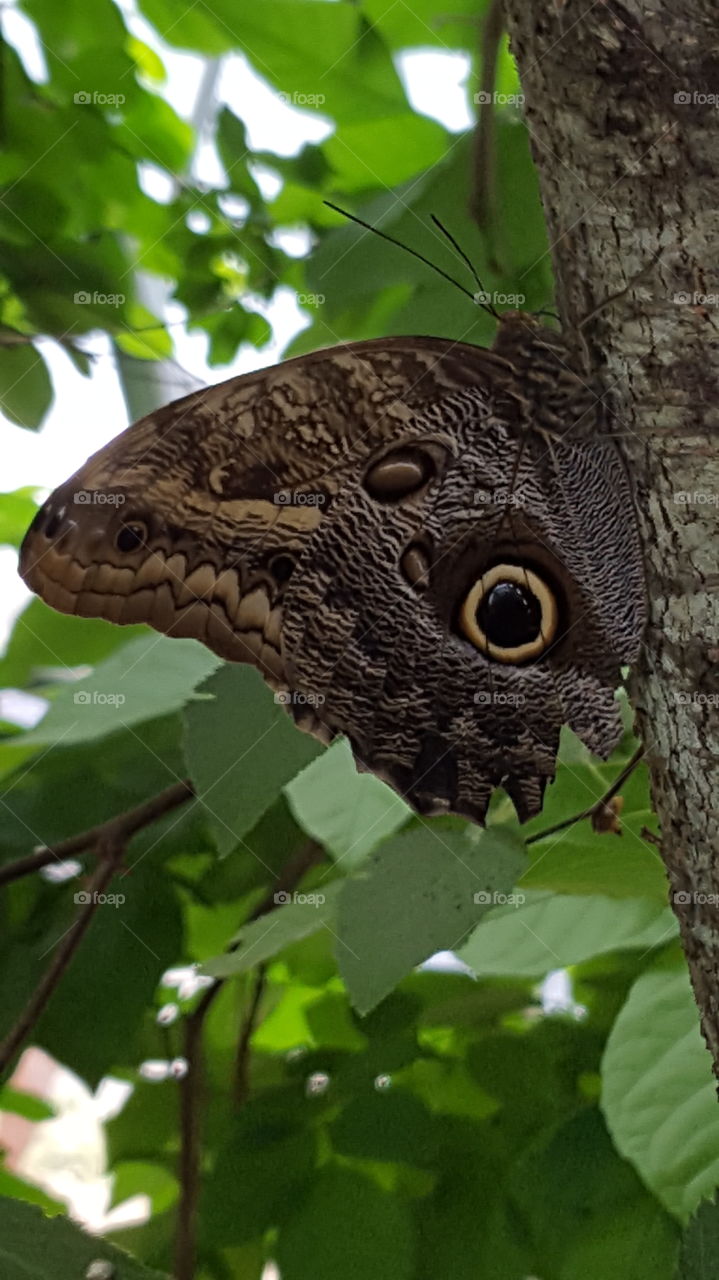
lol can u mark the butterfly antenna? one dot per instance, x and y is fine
(481, 296)
(414, 253)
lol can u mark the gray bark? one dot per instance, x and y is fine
(621, 103)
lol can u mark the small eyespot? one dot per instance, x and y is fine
(131, 536)
(510, 614)
(415, 565)
(53, 524)
(282, 567)
(400, 474)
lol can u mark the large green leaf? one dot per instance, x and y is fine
(241, 749)
(420, 892)
(658, 1092)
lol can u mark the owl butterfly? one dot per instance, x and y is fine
(429, 546)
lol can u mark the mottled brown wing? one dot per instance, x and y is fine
(338, 521)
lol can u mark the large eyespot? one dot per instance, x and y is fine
(510, 613)
(131, 536)
(400, 474)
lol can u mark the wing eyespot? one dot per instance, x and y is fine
(510, 613)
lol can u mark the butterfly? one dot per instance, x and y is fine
(424, 545)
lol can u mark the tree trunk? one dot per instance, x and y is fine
(621, 104)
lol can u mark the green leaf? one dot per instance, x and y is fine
(16, 512)
(24, 1104)
(658, 1092)
(700, 1246)
(263, 1163)
(549, 931)
(241, 750)
(149, 677)
(33, 1247)
(138, 1177)
(347, 811)
(420, 892)
(302, 915)
(43, 639)
(347, 1226)
(25, 387)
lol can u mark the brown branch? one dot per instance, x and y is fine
(191, 1086)
(109, 840)
(596, 808)
(242, 1060)
(122, 827)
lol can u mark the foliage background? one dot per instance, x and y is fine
(405, 1123)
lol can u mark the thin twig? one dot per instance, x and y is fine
(192, 1084)
(109, 840)
(242, 1059)
(123, 826)
(598, 804)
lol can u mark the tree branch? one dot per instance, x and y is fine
(620, 110)
(192, 1085)
(109, 840)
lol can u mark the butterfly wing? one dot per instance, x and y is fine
(319, 519)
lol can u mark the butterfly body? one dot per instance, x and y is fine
(429, 547)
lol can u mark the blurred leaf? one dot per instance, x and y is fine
(328, 1236)
(25, 387)
(33, 1247)
(700, 1245)
(271, 933)
(16, 512)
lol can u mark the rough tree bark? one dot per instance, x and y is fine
(621, 103)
